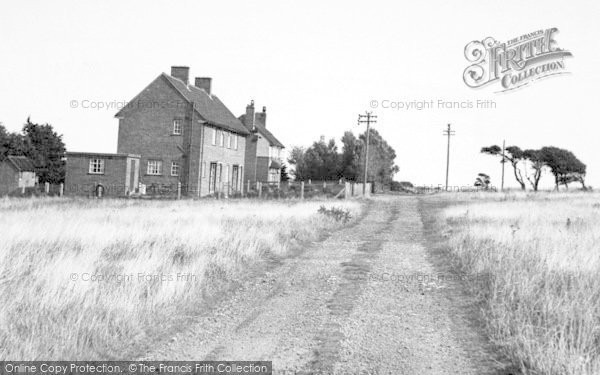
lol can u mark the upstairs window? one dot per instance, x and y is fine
(174, 168)
(229, 135)
(235, 141)
(154, 167)
(96, 166)
(214, 137)
(221, 138)
(177, 127)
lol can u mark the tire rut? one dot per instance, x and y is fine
(354, 273)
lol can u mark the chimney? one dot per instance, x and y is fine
(249, 118)
(203, 83)
(261, 117)
(182, 73)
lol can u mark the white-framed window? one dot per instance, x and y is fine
(229, 135)
(96, 166)
(221, 138)
(214, 136)
(227, 173)
(174, 168)
(235, 141)
(154, 167)
(177, 127)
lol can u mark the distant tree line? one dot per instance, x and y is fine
(529, 165)
(323, 161)
(41, 144)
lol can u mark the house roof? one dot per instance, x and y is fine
(21, 163)
(265, 133)
(209, 107)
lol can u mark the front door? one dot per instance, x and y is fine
(212, 178)
(235, 179)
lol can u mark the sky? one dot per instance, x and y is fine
(315, 65)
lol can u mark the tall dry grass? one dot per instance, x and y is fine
(542, 303)
(87, 279)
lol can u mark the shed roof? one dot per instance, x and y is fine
(21, 163)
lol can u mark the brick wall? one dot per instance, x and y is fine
(146, 129)
(78, 180)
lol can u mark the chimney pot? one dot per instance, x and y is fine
(203, 83)
(182, 73)
(264, 109)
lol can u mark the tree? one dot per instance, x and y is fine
(483, 181)
(296, 158)
(350, 156)
(564, 165)
(322, 161)
(3, 142)
(11, 143)
(284, 175)
(382, 167)
(46, 149)
(513, 154)
(536, 160)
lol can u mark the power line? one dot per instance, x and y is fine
(448, 132)
(367, 118)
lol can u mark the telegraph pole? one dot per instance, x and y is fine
(503, 162)
(367, 118)
(448, 132)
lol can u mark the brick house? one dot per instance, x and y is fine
(100, 174)
(16, 173)
(263, 150)
(184, 133)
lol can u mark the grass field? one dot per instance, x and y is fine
(87, 279)
(542, 303)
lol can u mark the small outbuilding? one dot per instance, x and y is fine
(16, 173)
(100, 174)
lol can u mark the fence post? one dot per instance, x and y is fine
(302, 190)
(248, 188)
(310, 181)
(179, 190)
(259, 186)
(61, 190)
(324, 185)
(47, 187)
(347, 191)
(23, 189)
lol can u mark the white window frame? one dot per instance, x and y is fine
(229, 140)
(214, 136)
(96, 166)
(177, 127)
(175, 168)
(221, 138)
(154, 168)
(235, 141)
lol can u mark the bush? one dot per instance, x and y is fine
(338, 214)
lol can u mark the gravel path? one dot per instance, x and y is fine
(351, 304)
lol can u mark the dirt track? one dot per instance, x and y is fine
(346, 305)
